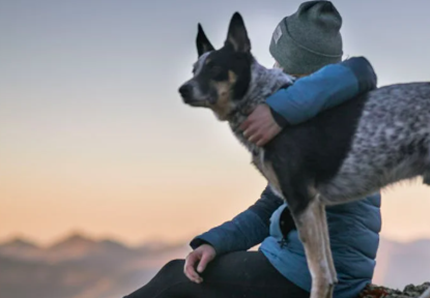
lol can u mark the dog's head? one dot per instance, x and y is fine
(220, 77)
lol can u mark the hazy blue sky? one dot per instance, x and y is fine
(94, 136)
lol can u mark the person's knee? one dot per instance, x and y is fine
(170, 274)
(167, 283)
(173, 266)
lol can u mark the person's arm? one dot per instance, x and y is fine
(244, 231)
(326, 88)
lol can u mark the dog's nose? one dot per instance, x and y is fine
(185, 91)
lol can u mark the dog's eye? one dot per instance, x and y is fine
(216, 70)
(217, 73)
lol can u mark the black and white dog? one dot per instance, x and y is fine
(341, 155)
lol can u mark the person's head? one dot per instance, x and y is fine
(309, 39)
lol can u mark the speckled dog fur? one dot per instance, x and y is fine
(391, 143)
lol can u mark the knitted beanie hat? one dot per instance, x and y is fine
(308, 39)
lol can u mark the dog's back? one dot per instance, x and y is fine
(361, 146)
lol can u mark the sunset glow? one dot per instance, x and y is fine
(94, 136)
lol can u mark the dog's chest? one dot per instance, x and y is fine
(266, 169)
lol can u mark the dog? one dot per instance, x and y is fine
(341, 155)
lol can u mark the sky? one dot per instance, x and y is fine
(95, 138)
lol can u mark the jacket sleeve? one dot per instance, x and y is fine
(244, 231)
(326, 88)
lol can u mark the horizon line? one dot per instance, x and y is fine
(158, 240)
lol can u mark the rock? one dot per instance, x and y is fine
(374, 291)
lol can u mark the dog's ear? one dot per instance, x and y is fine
(202, 42)
(237, 35)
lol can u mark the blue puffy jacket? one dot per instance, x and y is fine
(354, 227)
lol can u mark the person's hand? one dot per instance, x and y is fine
(260, 127)
(199, 258)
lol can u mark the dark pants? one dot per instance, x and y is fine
(239, 274)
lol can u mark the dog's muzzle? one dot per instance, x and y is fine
(186, 92)
(188, 95)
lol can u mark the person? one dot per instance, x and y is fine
(307, 44)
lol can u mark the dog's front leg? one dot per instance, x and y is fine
(327, 247)
(310, 219)
(313, 231)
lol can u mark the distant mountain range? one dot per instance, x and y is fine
(80, 267)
